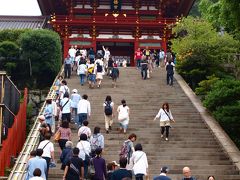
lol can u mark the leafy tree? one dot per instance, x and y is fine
(201, 51)
(224, 102)
(41, 50)
(9, 56)
(224, 93)
(206, 85)
(195, 10)
(222, 13)
(228, 117)
(12, 35)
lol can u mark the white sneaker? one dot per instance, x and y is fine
(166, 139)
(161, 135)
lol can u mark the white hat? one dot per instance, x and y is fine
(41, 117)
(74, 90)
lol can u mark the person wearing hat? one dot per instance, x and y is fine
(44, 128)
(112, 166)
(122, 172)
(75, 97)
(163, 175)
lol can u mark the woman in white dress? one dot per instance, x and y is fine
(123, 116)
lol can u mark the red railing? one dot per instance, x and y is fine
(12, 146)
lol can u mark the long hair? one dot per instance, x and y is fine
(166, 105)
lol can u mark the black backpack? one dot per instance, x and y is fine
(99, 68)
(108, 108)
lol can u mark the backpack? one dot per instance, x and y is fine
(90, 70)
(99, 68)
(94, 143)
(108, 108)
(125, 150)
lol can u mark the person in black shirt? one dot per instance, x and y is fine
(74, 168)
(170, 72)
(144, 68)
(110, 66)
(122, 172)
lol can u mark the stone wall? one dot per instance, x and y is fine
(36, 99)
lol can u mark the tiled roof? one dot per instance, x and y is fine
(22, 22)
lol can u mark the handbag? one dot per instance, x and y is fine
(57, 135)
(91, 170)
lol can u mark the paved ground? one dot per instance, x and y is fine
(191, 143)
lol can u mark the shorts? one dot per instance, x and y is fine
(99, 76)
(164, 123)
(124, 126)
(91, 77)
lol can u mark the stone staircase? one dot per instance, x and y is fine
(191, 143)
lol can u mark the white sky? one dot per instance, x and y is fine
(19, 7)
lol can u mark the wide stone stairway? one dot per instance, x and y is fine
(190, 143)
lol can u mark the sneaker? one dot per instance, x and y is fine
(107, 131)
(52, 165)
(110, 127)
(166, 139)
(161, 135)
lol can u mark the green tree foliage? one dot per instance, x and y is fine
(224, 92)
(9, 56)
(222, 13)
(195, 10)
(224, 102)
(11, 35)
(41, 49)
(201, 51)
(206, 85)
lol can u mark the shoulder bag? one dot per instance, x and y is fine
(61, 107)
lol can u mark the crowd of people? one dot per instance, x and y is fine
(91, 66)
(83, 159)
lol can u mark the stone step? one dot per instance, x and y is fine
(191, 143)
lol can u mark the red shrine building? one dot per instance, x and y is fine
(120, 25)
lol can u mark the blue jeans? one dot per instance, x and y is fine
(81, 117)
(82, 76)
(144, 73)
(169, 79)
(138, 63)
(85, 165)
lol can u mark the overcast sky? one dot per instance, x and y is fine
(19, 7)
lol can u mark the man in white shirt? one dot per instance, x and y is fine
(66, 108)
(63, 88)
(106, 53)
(72, 53)
(84, 109)
(75, 97)
(48, 150)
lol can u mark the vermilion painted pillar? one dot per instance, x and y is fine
(65, 47)
(94, 44)
(164, 44)
(136, 46)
